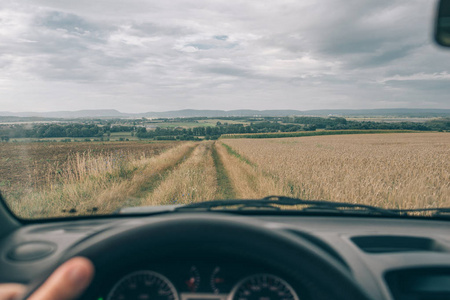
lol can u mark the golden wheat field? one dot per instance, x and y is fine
(407, 170)
(387, 170)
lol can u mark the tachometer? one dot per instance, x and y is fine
(143, 285)
(263, 287)
(218, 282)
(194, 279)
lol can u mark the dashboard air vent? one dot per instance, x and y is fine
(390, 243)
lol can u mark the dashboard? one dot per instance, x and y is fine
(386, 258)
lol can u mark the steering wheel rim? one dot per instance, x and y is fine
(225, 235)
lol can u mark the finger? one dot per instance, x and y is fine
(67, 282)
(10, 291)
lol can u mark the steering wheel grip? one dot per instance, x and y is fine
(212, 235)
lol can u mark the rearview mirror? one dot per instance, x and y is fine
(442, 30)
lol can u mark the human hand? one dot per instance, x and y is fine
(67, 282)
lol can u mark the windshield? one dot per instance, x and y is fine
(112, 104)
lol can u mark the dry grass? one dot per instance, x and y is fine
(388, 170)
(193, 181)
(149, 172)
(33, 165)
(248, 181)
(95, 183)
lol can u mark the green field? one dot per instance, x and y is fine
(116, 136)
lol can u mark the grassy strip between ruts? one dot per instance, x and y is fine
(225, 188)
(307, 133)
(192, 181)
(156, 178)
(237, 155)
(247, 180)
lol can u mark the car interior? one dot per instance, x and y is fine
(203, 253)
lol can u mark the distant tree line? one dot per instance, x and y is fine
(211, 132)
(337, 123)
(175, 133)
(319, 123)
(52, 131)
(265, 125)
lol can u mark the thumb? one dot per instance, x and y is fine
(10, 291)
(67, 282)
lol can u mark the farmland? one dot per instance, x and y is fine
(33, 165)
(395, 170)
(387, 170)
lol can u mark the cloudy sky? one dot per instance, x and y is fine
(140, 55)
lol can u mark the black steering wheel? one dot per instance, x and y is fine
(215, 235)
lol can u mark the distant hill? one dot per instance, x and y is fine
(94, 113)
(222, 113)
(385, 112)
(112, 113)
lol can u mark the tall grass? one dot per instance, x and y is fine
(97, 183)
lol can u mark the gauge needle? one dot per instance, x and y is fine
(191, 283)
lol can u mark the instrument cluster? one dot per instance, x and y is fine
(200, 281)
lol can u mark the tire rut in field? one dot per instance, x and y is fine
(192, 181)
(247, 179)
(148, 176)
(154, 180)
(225, 188)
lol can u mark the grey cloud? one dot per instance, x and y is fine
(200, 46)
(436, 85)
(177, 54)
(384, 56)
(228, 71)
(152, 29)
(221, 37)
(364, 34)
(60, 20)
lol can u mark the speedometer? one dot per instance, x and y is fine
(263, 287)
(143, 285)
